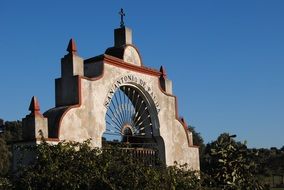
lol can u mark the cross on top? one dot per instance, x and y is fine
(122, 14)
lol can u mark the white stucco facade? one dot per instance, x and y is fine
(86, 86)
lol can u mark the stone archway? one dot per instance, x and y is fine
(83, 96)
(132, 118)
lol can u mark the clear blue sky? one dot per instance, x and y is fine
(226, 58)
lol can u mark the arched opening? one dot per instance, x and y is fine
(132, 119)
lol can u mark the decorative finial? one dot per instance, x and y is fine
(34, 105)
(163, 71)
(122, 14)
(72, 49)
(183, 121)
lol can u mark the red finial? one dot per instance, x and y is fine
(183, 121)
(163, 71)
(34, 105)
(72, 49)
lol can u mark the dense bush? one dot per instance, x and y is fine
(71, 165)
(5, 183)
(228, 164)
(225, 164)
(12, 131)
(4, 157)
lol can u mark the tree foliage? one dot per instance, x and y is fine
(12, 131)
(71, 165)
(229, 165)
(5, 150)
(225, 164)
(4, 158)
(5, 183)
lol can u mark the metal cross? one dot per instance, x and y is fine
(122, 14)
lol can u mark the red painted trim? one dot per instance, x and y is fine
(176, 111)
(71, 107)
(80, 97)
(94, 78)
(35, 114)
(185, 126)
(108, 59)
(137, 50)
(194, 146)
(100, 58)
(36, 139)
(120, 63)
(48, 139)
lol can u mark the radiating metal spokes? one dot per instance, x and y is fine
(127, 115)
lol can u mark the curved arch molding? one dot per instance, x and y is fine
(83, 117)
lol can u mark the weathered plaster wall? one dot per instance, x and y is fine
(88, 119)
